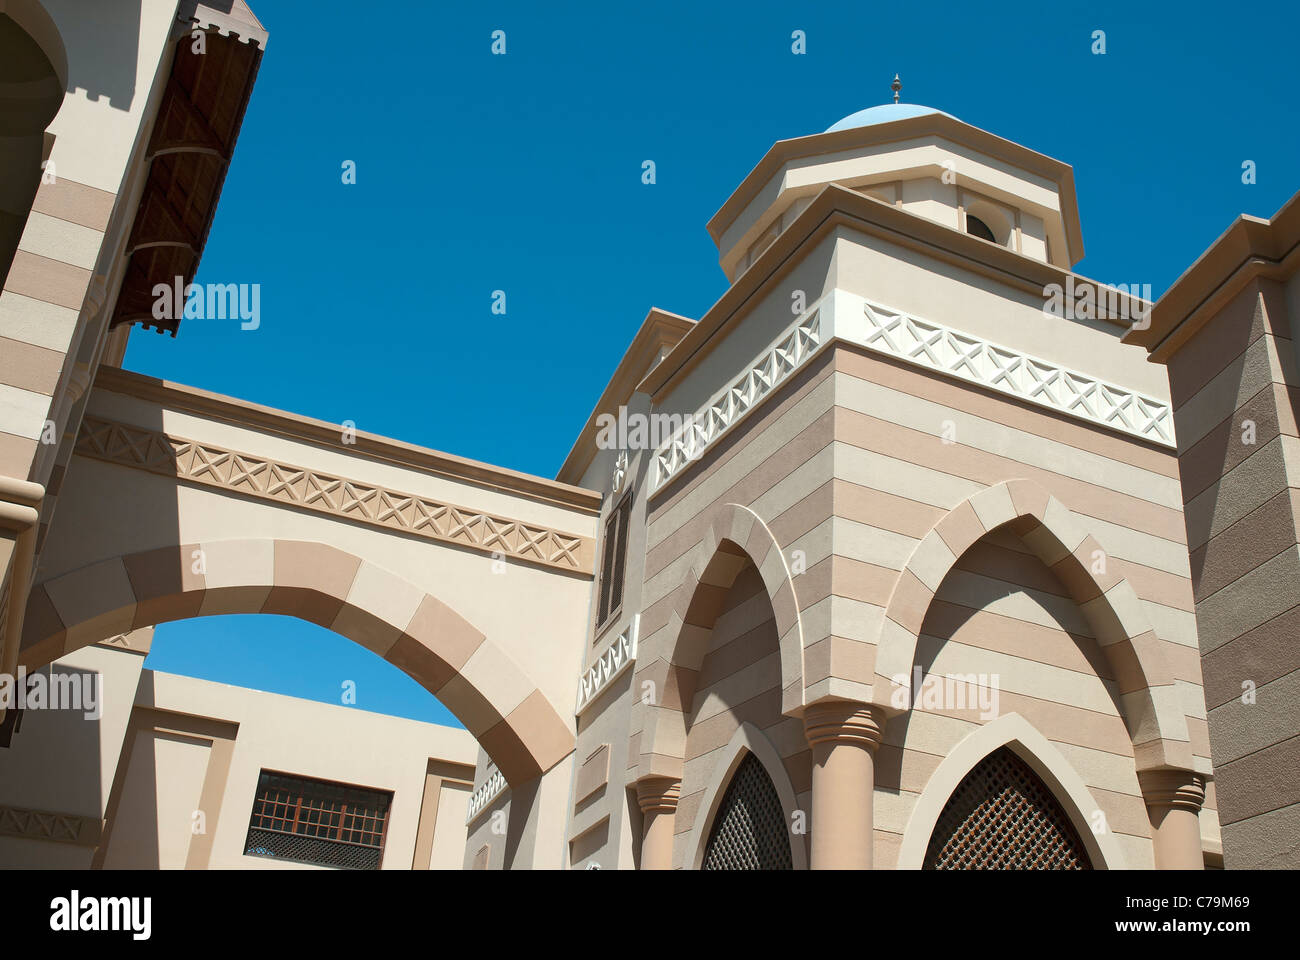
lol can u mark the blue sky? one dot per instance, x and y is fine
(522, 173)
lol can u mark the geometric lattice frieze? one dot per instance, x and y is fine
(609, 667)
(772, 367)
(482, 798)
(44, 825)
(209, 465)
(961, 355)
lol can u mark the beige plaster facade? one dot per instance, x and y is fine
(165, 777)
(905, 524)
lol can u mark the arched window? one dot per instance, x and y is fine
(978, 228)
(1003, 817)
(749, 831)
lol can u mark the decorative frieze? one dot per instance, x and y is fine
(956, 354)
(46, 825)
(773, 367)
(482, 798)
(845, 316)
(617, 658)
(265, 479)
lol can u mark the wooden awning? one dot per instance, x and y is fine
(193, 140)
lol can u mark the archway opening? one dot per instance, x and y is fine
(749, 831)
(295, 658)
(1003, 817)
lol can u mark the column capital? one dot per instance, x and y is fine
(20, 503)
(1172, 788)
(658, 794)
(844, 721)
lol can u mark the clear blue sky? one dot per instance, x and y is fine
(523, 173)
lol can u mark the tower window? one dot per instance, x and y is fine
(978, 228)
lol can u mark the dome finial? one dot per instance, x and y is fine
(896, 86)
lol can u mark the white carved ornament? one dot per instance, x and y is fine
(484, 795)
(620, 472)
(961, 355)
(773, 367)
(620, 655)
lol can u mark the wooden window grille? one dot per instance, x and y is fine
(318, 821)
(1003, 817)
(749, 831)
(613, 566)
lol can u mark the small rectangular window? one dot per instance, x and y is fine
(318, 821)
(613, 567)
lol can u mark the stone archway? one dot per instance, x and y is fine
(748, 740)
(1151, 709)
(413, 630)
(736, 537)
(1016, 733)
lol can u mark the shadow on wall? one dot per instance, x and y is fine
(1251, 429)
(52, 765)
(102, 53)
(30, 96)
(132, 819)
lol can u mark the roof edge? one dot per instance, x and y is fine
(295, 426)
(1249, 247)
(660, 328)
(937, 123)
(832, 206)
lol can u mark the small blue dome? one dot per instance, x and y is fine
(885, 113)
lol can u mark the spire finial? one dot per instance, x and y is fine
(896, 86)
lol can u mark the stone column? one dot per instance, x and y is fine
(20, 503)
(1173, 799)
(657, 797)
(843, 736)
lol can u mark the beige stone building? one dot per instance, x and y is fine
(903, 555)
(170, 772)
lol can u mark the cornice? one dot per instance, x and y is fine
(320, 433)
(937, 124)
(1249, 249)
(659, 330)
(833, 207)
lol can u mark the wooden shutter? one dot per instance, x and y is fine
(606, 567)
(613, 564)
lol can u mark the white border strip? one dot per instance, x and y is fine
(620, 655)
(482, 798)
(925, 343)
(729, 405)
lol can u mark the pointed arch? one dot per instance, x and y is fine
(1151, 710)
(736, 537)
(1013, 731)
(415, 631)
(747, 741)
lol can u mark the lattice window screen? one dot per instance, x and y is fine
(317, 821)
(749, 831)
(1003, 817)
